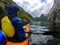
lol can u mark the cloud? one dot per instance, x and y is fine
(35, 6)
(19, 1)
(47, 6)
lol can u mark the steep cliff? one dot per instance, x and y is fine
(54, 18)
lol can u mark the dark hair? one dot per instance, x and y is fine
(12, 10)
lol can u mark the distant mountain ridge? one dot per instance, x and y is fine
(41, 18)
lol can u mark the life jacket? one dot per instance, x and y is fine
(7, 27)
(18, 43)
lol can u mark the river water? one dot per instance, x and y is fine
(39, 39)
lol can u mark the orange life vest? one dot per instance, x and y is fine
(19, 43)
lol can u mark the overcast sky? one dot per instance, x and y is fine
(35, 7)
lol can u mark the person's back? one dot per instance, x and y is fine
(17, 23)
(19, 31)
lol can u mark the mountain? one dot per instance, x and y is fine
(41, 18)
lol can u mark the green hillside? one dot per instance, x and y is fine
(25, 16)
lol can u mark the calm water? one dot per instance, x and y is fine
(39, 39)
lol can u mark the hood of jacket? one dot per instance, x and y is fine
(12, 10)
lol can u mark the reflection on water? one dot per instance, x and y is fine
(39, 38)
